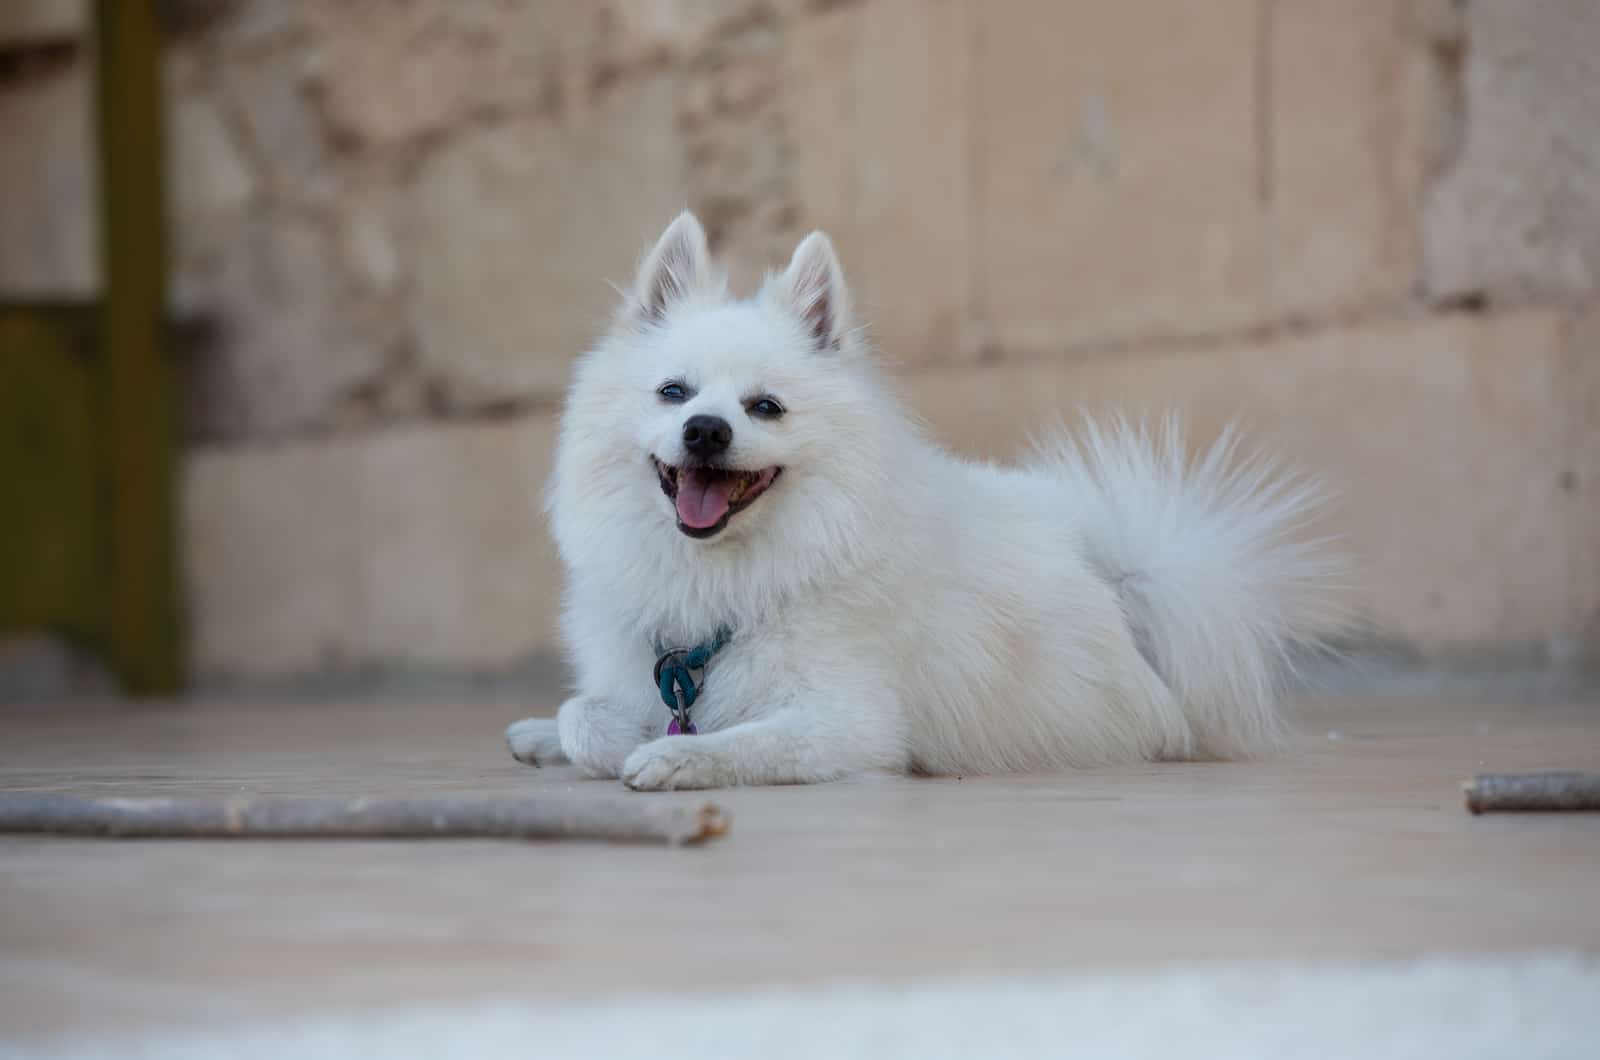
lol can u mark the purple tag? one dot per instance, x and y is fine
(674, 730)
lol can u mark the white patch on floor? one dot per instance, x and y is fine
(1542, 1007)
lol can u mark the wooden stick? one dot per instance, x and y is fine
(521, 818)
(1532, 792)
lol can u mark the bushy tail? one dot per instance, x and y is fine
(1221, 588)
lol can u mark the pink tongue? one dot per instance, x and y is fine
(702, 501)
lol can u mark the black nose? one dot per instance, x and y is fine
(707, 436)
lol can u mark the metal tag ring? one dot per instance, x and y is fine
(661, 660)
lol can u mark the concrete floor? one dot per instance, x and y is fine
(1355, 846)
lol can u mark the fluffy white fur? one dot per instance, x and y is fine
(894, 607)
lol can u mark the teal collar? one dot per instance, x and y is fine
(675, 677)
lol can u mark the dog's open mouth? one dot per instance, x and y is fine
(707, 497)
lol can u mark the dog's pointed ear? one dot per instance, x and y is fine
(678, 264)
(813, 286)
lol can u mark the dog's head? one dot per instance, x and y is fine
(728, 425)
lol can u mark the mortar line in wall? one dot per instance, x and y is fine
(977, 301)
(1265, 11)
(507, 412)
(1581, 551)
(1568, 411)
(520, 409)
(1264, 98)
(1208, 342)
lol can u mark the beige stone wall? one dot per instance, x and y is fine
(1371, 229)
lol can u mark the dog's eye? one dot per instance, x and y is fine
(767, 408)
(674, 392)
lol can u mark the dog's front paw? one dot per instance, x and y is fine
(535, 741)
(674, 763)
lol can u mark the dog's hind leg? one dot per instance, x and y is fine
(598, 735)
(793, 745)
(536, 742)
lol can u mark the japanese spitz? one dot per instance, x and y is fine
(773, 577)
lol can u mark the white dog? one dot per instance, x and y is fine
(764, 550)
